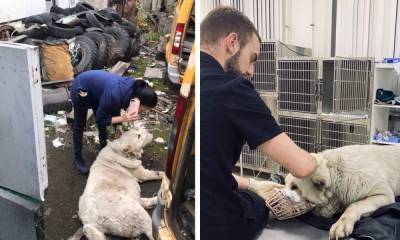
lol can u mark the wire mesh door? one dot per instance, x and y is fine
(351, 86)
(339, 134)
(264, 76)
(270, 100)
(256, 160)
(303, 131)
(297, 85)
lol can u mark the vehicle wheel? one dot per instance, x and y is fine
(111, 13)
(84, 54)
(129, 27)
(64, 31)
(133, 50)
(35, 32)
(120, 35)
(113, 51)
(57, 9)
(83, 6)
(101, 44)
(93, 22)
(44, 18)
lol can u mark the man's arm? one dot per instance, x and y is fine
(243, 183)
(261, 188)
(284, 151)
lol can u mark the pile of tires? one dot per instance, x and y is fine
(98, 38)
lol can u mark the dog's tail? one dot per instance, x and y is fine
(77, 235)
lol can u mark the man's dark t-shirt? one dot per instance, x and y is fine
(231, 113)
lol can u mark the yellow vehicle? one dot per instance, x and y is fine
(174, 215)
(178, 48)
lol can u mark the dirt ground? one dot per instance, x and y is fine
(66, 184)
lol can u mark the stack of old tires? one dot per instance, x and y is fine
(100, 38)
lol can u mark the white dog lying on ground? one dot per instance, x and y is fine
(355, 180)
(111, 203)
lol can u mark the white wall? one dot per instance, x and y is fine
(15, 9)
(66, 3)
(363, 28)
(367, 28)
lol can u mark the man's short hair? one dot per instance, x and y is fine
(222, 21)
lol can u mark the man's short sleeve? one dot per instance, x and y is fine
(249, 114)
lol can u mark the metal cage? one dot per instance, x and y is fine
(351, 85)
(336, 134)
(347, 85)
(256, 160)
(270, 99)
(302, 130)
(297, 85)
(264, 77)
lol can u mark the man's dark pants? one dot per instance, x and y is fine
(80, 114)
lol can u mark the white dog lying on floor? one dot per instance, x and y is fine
(355, 180)
(111, 203)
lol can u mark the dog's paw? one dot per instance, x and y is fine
(342, 228)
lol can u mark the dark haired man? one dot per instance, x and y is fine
(232, 113)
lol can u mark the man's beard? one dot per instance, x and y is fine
(232, 64)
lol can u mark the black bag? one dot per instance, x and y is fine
(384, 95)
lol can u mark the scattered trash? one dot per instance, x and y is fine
(165, 148)
(132, 69)
(161, 63)
(154, 73)
(150, 83)
(50, 118)
(160, 92)
(159, 140)
(96, 139)
(47, 212)
(152, 64)
(74, 216)
(166, 110)
(57, 143)
(90, 134)
(60, 112)
(62, 121)
(61, 130)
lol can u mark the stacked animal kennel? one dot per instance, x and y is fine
(320, 103)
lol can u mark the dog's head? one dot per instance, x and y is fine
(132, 142)
(316, 187)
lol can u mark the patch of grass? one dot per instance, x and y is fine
(141, 64)
(158, 149)
(158, 84)
(152, 36)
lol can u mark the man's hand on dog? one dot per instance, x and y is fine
(263, 188)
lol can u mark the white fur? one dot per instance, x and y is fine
(111, 202)
(355, 180)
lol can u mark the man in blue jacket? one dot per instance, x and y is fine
(106, 94)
